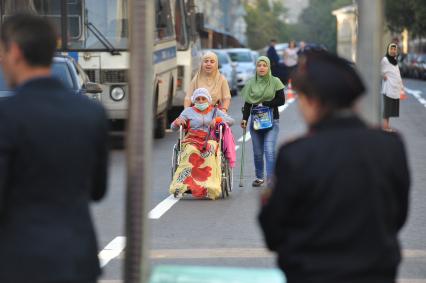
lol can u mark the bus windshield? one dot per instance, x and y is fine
(91, 24)
(104, 22)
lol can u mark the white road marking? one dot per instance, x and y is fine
(162, 207)
(417, 95)
(112, 250)
(248, 137)
(287, 104)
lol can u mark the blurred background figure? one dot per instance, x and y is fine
(53, 162)
(273, 57)
(340, 195)
(392, 87)
(301, 49)
(290, 60)
(209, 77)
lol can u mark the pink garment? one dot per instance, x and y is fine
(229, 146)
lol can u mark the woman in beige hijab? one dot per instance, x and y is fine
(210, 78)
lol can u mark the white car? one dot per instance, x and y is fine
(246, 66)
(228, 69)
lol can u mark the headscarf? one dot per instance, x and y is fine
(212, 82)
(201, 92)
(259, 89)
(391, 59)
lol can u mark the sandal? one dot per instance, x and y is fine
(258, 182)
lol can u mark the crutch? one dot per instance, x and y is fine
(242, 157)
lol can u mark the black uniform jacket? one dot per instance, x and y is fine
(53, 161)
(339, 199)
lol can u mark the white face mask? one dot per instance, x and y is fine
(202, 106)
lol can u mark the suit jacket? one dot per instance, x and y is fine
(272, 54)
(338, 203)
(53, 161)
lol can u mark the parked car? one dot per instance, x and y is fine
(228, 69)
(246, 67)
(419, 67)
(4, 89)
(406, 64)
(255, 55)
(69, 73)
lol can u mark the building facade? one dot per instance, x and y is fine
(224, 17)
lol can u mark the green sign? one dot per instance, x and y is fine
(199, 274)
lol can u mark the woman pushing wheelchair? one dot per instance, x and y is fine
(199, 170)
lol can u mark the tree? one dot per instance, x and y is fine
(265, 22)
(409, 14)
(317, 24)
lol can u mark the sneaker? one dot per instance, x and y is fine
(258, 182)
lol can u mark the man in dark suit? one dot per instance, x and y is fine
(53, 161)
(272, 54)
(341, 192)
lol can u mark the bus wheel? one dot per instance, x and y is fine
(160, 120)
(160, 126)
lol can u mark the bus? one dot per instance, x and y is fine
(96, 34)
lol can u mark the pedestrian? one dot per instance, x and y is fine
(290, 60)
(392, 87)
(53, 161)
(273, 58)
(302, 47)
(209, 77)
(340, 194)
(262, 95)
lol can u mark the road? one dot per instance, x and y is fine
(225, 232)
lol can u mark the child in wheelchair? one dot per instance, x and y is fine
(199, 170)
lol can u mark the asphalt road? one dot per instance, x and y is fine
(225, 232)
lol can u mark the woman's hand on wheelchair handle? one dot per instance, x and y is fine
(243, 124)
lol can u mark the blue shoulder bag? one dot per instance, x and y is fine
(262, 117)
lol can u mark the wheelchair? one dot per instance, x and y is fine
(227, 176)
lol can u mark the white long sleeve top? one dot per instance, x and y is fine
(393, 86)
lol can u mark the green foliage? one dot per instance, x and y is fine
(264, 22)
(341, 3)
(318, 24)
(410, 14)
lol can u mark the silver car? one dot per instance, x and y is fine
(228, 69)
(246, 66)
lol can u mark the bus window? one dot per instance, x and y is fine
(108, 19)
(50, 9)
(11, 7)
(163, 20)
(181, 26)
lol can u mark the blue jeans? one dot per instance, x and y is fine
(264, 142)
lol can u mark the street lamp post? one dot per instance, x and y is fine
(369, 55)
(139, 139)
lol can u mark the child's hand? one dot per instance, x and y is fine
(180, 122)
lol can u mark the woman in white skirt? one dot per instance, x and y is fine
(392, 87)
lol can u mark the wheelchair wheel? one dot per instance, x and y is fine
(231, 177)
(174, 160)
(226, 178)
(223, 186)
